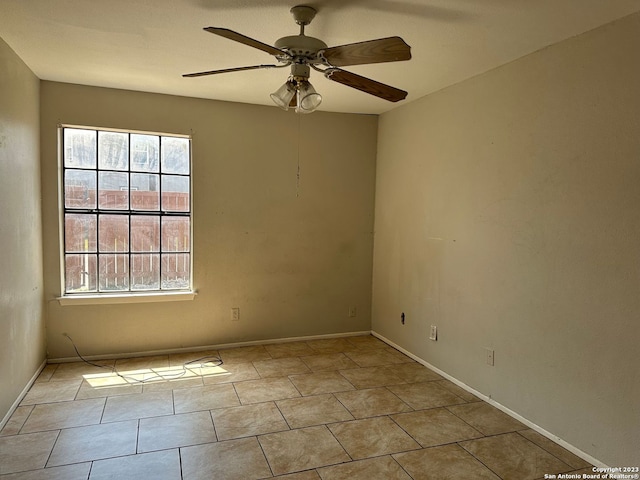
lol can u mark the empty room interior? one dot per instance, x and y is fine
(445, 285)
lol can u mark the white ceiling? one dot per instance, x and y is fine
(148, 44)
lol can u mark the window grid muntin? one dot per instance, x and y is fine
(129, 213)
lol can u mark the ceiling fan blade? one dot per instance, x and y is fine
(227, 70)
(366, 85)
(391, 49)
(238, 37)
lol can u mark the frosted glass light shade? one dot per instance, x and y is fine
(282, 97)
(308, 98)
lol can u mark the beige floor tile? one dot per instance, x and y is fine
(513, 457)
(53, 416)
(443, 463)
(47, 372)
(329, 345)
(171, 431)
(168, 375)
(204, 398)
(244, 354)
(372, 402)
(302, 415)
(227, 373)
(292, 349)
(87, 390)
(124, 365)
(556, 450)
(372, 437)
(230, 460)
(245, 421)
(73, 370)
(328, 361)
(79, 471)
(459, 391)
(266, 390)
(194, 360)
(157, 466)
(143, 376)
(415, 373)
(280, 367)
(369, 377)
(314, 410)
(15, 423)
(308, 475)
(105, 379)
(190, 381)
(19, 453)
(140, 405)
(436, 426)
(50, 392)
(382, 467)
(425, 395)
(321, 382)
(303, 449)
(95, 442)
(375, 358)
(486, 419)
(366, 342)
(400, 356)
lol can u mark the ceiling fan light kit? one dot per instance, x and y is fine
(303, 53)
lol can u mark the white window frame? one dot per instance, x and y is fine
(120, 296)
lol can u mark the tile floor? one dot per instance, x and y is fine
(344, 408)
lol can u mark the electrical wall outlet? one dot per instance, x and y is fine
(490, 356)
(235, 314)
(433, 333)
(353, 311)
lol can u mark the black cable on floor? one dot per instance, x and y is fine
(213, 360)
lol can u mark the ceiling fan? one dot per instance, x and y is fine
(303, 53)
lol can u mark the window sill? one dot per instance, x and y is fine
(106, 299)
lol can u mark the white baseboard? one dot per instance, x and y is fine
(23, 393)
(171, 351)
(508, 411)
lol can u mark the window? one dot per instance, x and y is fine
(126, 211)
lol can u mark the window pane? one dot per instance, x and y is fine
(145, 194)
(79, 233)
(114, 272)
(145, 153)
(145, 233)
(80, 273)
(127, 204)
(175, 234)
(175, 270)
(80, 189)
(113, 233)
(175, 155)
(145, 271)
(114, 191)
(113, 151)
(79, 148)
(175, 193)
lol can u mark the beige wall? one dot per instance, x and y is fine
(292, 255)
(22, 347)
(508, 215)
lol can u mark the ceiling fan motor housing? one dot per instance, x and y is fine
(301, 46)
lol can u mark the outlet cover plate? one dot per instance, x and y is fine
(433, 333)
(490, 356)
